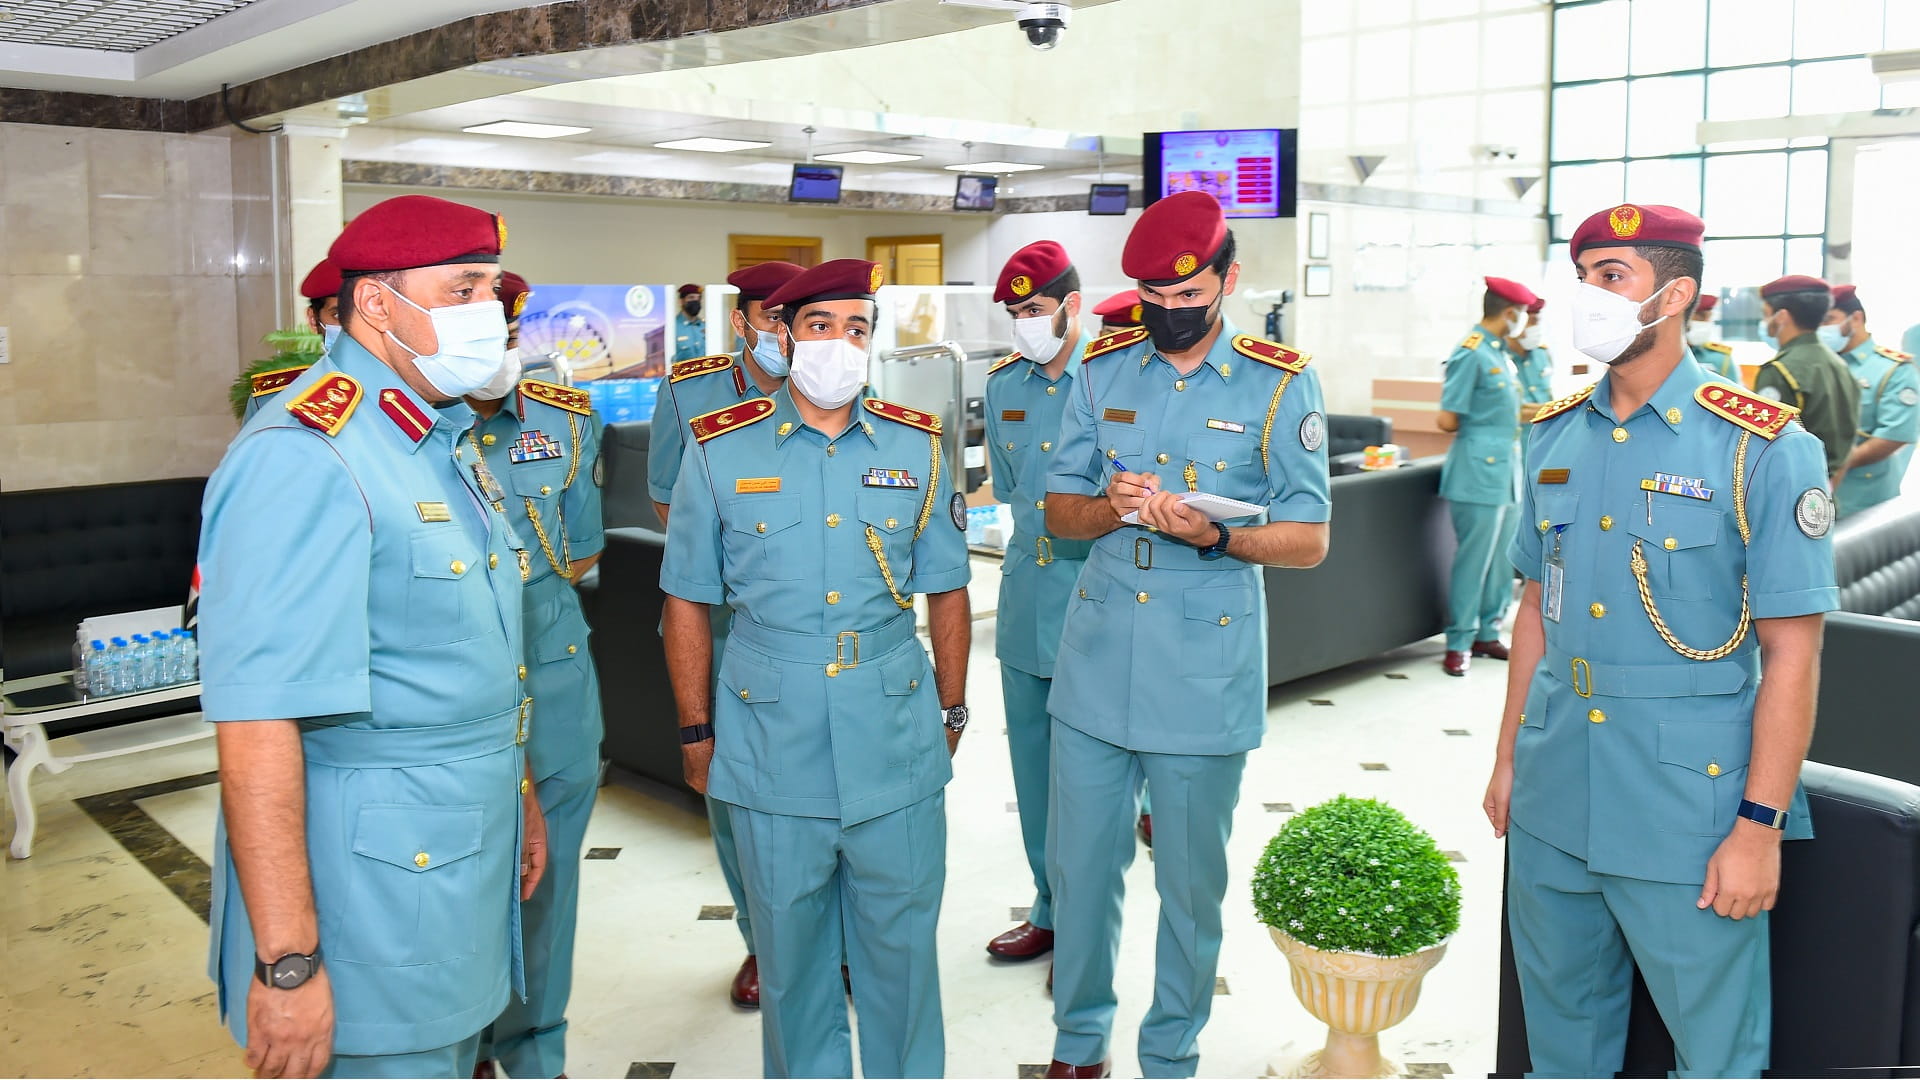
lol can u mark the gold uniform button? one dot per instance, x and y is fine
(1046, 448)
(833, 671)
(1544, 524)
(831, 451)
(572, 649)
(489, 440)
(1112, 454)
(1606, 522)
(1052, 390)
(493, 560)
(1141, 597)
(893, 523)
(526, 785)
(913, 684)
(784, 429)
(545, 490)
(1491, 460)
(760, 527)
(833, 521)
(1009, 447)
(523, 671)
(1669, 543)
(1160, 458)
(1713, 768)
(1619, 434)
(1596, 716)
(421, 860)
(1597, 610)
(1179, 385)
(1083, 594)
(1673, 416)
(1225, 619)
(1219, 466)
(1040, 504)
(833, 598)
(458, 568)
(744, 694)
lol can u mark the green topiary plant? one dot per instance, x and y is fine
(292, 348)
(1354, 875)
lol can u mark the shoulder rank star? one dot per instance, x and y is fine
(1762, 416)
(268, 381)
(704, 365)
(1114, 342)
(1271, 353)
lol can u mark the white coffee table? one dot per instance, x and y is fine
(28, 705)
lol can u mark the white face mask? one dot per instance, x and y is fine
(328, 335)
(1516, 324)
(831, 372)
(503, 380)
(1530, 338)
(1035, 339)
(1699, 333)
(472, 345)
(1605, 323)
(766, 353)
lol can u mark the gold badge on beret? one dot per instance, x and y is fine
(1186, 264)
(1625, 221)
(1135, 313)
(879, 278)
(1021, 285)
(519, 304)
(500, 224)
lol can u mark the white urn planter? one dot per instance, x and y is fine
(1357, 996)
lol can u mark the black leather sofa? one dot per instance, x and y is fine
(70, 553)
(1867, 721)
(1349, 435)
(1846, 961)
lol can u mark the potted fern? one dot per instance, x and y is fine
(1361, 901)
(296, 347)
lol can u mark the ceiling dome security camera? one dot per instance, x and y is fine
(1043, 24)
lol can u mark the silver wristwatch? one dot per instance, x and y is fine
(955, 719)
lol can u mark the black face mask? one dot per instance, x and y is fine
(1175, 330)
(692, 308)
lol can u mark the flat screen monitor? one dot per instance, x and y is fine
(816, 183)
(1107, 199)
(974, 192)
(1252, 171)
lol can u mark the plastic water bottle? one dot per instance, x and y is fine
(142, 662)
(189, 657)
(120, 669)
(94, 668)
(166, 658)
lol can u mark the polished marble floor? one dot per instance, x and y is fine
(103, 969)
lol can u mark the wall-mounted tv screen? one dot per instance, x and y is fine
(1107, 199)
(816, 183)
(974, 192)
(1253, 172)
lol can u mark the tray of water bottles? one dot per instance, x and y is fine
(133, 654)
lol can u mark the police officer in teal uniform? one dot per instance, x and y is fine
(1531, 361)
(689, 329)
(1714, 355)
(321, 290)
(1161, 672)
(1026, 394)
(817, 514)
(1480, 402)
(1677, 559)
(360, 627)
(544, 455)
(1889, 393)
(693, 388)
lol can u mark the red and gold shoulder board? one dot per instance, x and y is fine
(560, 397)
(703, 365)
(1271, 353)
(732, 418)
(1762, 416)
(269, 381)
(327, 405)
(1473, 340)
(1554, 408)
(900, 414)
(1003, 362)
(413, 421)
(1894, 355)
(1719, 347)
(1114, 342)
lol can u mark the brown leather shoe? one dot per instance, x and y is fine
(1023, 942)
(1456, 662)
(1061, 1068)
(1492, 650)
(1146, 829)
(746, 984)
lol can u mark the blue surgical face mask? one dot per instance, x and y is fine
(328, 335)
(1833, 337)
(472, 345)
(766, 353)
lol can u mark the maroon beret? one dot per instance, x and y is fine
(1706, 303)
(689, 289)
(1174, 239)
(322, 281)
(1639, 225)
(1511, 291)
(411, 231)
(1538, 303)
(839, 279)
(757, 282)
(1031, 269)
(1793, 283)
(1120, 309)
(514, 292)
(1846, 298)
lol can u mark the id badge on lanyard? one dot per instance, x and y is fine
(1553, 581)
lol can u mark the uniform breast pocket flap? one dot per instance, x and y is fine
(1218, 453)
(1555, 510)
(891, 512)
(1714, 759)
(1012, 434)
(1680, 548)
(553, 648)
(415, 863)
(436, 609)
(762, 516)
(746, 679)
(538, 481)
(1122, 443)
(1218, 624)
(900, 676)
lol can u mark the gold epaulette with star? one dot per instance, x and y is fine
(1271, 353)
(269, 381)
(327, 405)
(732, 418)
(1473, 340)
(900, 414)
(1894, 355)
(1719, 347)
(560, 397)
(1003, 362)
(1114, 342)
(1554, 408)
(702, 365)
(1762, 416)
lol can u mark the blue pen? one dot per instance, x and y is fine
(1119, 466)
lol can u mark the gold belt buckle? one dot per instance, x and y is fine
(526, 714)
(1582, 668)
(840, 661)
(1142, 544)
(1042, 550)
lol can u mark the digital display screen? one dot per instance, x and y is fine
(1251, 171)
(815, 184)
(975, 192)
(1107, 199)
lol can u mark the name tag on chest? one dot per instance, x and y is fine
(1013, 416)
(1118, 416)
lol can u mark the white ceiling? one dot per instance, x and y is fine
(115, 25)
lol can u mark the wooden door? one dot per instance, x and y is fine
(910, 260)
(745, 251)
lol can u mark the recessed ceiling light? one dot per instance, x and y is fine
(708, 145)
(868, 157)
(525, 130)
(994, 167)
(1106, 178)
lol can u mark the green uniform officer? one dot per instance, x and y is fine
(379, 828)
(1161, 673)
(1026, 394)
(544, 456)
(1805, 373)
(1676, 555)
(694, 388)
(1889, 396)
(817, 523)
(689, 329)
(1480, 402)
(321, 289)
(1714, 355)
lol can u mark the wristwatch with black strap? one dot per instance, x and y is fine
(694, 733)
(1762, 814)
(1217, 549)
(288, 972)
